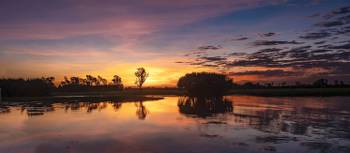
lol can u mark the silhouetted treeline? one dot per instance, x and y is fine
(27, 87)
(90, 83)
(45, 86)
(319, 83)
(194, 84)
(206, 84)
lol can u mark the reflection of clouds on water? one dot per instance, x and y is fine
(105, 145)
(227, 124)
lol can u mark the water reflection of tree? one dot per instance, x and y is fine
(272, 119)
(91, 106)
(116, 106)
(96, 106)
(37, 109)
(204, 107)
(141, 111)
(40, 108)
(4, 109)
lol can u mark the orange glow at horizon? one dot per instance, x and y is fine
(160, 74)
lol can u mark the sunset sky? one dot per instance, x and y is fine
(250, 40)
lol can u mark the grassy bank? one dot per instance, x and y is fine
(254, 92)
(293, 92)
(140, 95)
(83, 98)
(127, 92)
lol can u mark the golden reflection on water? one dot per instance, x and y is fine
(244, 123)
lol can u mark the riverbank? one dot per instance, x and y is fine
(254, 92)
(155, 94)
(83, 98)
(292, 92)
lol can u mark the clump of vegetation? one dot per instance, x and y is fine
(26, 87)
(90, 83)
(205, 84)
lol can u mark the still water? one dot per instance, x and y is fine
(235, 124)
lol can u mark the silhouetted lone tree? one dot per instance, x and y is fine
(141, 76)
(205, 84)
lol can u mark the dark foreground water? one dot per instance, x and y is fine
(241, 124)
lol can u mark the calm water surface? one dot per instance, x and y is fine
(241, 124)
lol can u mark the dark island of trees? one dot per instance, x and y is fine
(205, 84)
(38, 87)
(195, 84)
